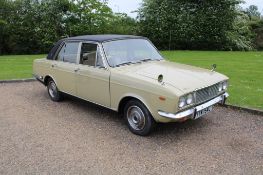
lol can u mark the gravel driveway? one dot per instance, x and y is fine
(38, 136)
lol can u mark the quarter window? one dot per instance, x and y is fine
(61, 53)
(69, 52)
(90, 55)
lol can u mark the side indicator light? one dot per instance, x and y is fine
(162, 98)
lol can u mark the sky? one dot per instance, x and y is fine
(127, 6)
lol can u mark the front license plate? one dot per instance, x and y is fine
(199, 114)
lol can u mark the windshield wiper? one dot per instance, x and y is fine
(126, 63)
(145, 60)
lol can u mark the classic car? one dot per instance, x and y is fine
(127, 74)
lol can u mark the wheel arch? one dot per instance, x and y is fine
(46, 79)
(127, 98)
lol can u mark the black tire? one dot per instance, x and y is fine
(53, 91)
(138, 118)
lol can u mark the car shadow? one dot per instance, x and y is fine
(162, 129)
(91, 107)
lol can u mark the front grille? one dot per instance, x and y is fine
(207, 93)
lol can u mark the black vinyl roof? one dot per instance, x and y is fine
(102, 38)
(94, 38)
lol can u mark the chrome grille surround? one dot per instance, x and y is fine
(207, 93)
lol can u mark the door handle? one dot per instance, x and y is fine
(76, 70)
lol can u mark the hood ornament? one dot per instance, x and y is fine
(213, 67)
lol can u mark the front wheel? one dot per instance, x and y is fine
(138, 118)
(53, 91)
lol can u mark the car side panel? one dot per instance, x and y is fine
(62, 73)
(93, 84)
(65, 76)
(42, 68)
(123, 86)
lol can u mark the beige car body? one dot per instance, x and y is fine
(111, 87)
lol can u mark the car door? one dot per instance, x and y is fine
(65, 66)
(92, 75)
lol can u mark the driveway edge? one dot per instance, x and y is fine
(18, 80)
(250, 110)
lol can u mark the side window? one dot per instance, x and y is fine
(68, 52)
(90, 55)
(71, 52)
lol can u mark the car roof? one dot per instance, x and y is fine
(94, 38)
(102, 38)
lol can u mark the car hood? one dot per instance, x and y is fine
(183, 77)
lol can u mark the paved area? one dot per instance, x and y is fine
(38, 136)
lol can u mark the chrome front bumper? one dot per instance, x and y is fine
(190, 112)
(39, 78)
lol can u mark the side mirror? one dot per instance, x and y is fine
(213, 67)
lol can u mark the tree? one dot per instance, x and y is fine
(5, 9)
(32, 26)
(256, 24)
(121, 23)
(201, 24)
(88, 17)
(253, 12)
(241, 36)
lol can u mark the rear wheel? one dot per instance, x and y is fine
(53, 91)
(138, 118)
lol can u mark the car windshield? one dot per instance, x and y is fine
(130, 51)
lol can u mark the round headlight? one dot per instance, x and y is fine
(189, 99)
(225, 85)
(182, 102)
(220, 87)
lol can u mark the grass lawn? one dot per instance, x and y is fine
(17, 66)
(245, 70)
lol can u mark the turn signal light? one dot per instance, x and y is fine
(162, 98)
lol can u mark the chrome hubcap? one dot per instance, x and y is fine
(136, 117)
(52, 90)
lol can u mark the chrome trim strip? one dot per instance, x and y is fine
(178, 115)
(101, 52)
(191, 111)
